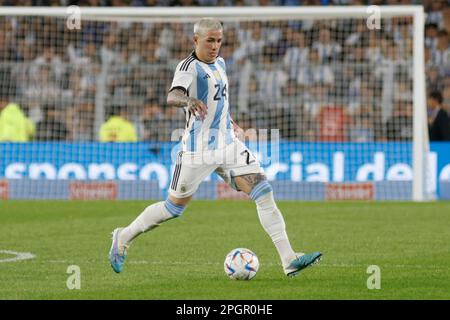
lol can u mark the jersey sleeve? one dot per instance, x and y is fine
(183, 77)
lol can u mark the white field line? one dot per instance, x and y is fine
(18, 256)
(188, 263)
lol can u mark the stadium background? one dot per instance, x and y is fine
(54, 77)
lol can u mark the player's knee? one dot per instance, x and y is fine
(260, 189)
(174, 209)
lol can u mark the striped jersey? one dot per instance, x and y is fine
(208, 83)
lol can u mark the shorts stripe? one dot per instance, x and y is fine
(176, 173)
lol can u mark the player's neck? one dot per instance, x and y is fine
(203, 60)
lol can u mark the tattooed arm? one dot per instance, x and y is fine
(177, 98)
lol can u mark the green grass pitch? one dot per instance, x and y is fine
(183, 258)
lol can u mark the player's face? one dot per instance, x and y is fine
(207, 45)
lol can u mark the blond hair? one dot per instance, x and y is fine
(207, 24)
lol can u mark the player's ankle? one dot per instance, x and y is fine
(123, 241)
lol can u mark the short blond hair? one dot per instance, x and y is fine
(207, 24)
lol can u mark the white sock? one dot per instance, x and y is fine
(273, 222)
(149, 219)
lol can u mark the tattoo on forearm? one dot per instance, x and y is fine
(178, 99)
(253, 179)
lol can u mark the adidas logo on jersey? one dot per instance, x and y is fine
(206, 76)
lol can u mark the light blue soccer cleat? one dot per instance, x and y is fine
(118, 252)
(301, 262)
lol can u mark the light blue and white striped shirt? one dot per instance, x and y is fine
(207, 82)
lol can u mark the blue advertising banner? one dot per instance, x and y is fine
(287, 161)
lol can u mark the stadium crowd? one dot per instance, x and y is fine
(330, 80)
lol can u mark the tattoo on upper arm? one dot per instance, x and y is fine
(253, 178)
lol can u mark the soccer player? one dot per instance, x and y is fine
(209, 144)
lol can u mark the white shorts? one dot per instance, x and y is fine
(193, 167)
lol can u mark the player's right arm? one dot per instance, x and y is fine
(178, 94)
(177, 98)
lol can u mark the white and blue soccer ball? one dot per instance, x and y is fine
(241, 264)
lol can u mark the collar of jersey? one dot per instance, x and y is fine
(195, 56)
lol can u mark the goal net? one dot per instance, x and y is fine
(332, 100)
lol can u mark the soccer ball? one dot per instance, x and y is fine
(241, 264)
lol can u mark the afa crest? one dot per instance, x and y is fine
(217, 75)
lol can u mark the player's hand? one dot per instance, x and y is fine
(197, 108)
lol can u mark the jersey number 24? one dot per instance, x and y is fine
(221, 92)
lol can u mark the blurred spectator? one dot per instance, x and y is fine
(385, 73)
(446, 94)
(402, 30)
(118, 128)
(296, 56)
(356, 36)
(403, 36)
(41, 85)
(306, 127)
(80, 120)
(108, 50)
(431, 35)
(184, 3)
(88, 81)
(208, 3)
(283, 116)
(362, 129)
(118, 3)
(51, 128)
(433, 79)
(84, 58)
(399, 127)
(438, 119)
(14, 124)
(315, 97)
(273, 32)
(172, 124)
(271, 78)
(327, 48)
(403, 91)
(315, 72)
(333, 124)
(291, 2)
(441, 55)
(50, 59)
(151, 121)
(373, 49)
(253, 99)
(252, 46)
(166, 42)
(435, 14)
(283, 120)
(239, 76)
(291, 96)
(379, 125)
